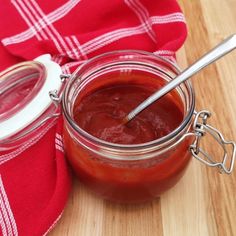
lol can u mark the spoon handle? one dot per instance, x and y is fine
(220, 50)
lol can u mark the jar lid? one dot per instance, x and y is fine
(24, 93)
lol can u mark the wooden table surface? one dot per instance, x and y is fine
(204, 201)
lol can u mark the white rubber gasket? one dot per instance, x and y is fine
(38, 105)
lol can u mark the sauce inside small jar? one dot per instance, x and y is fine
(100, 113)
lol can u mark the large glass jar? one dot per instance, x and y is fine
(140, 172)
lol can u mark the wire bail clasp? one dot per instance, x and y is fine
(201, 128)
(55, 95)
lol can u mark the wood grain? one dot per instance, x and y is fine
(203, 202)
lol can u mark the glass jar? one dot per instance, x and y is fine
(140, 172)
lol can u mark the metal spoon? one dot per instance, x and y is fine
(220, 50)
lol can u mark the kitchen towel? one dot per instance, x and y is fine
(34, 178)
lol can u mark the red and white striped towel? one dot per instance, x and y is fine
(34, 181)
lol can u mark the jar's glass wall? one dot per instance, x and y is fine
(127, 173)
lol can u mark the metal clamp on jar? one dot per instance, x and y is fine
(200, 128)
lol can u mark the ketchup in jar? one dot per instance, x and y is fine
(139, 161)
(100, 114)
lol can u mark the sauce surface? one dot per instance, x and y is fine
(100, 113)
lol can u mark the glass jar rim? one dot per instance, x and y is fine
(156, 142)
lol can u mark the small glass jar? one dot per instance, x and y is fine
(140, 172)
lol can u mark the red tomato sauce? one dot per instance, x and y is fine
(101, 113)
(98, 110)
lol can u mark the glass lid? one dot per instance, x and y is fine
(24, 93)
